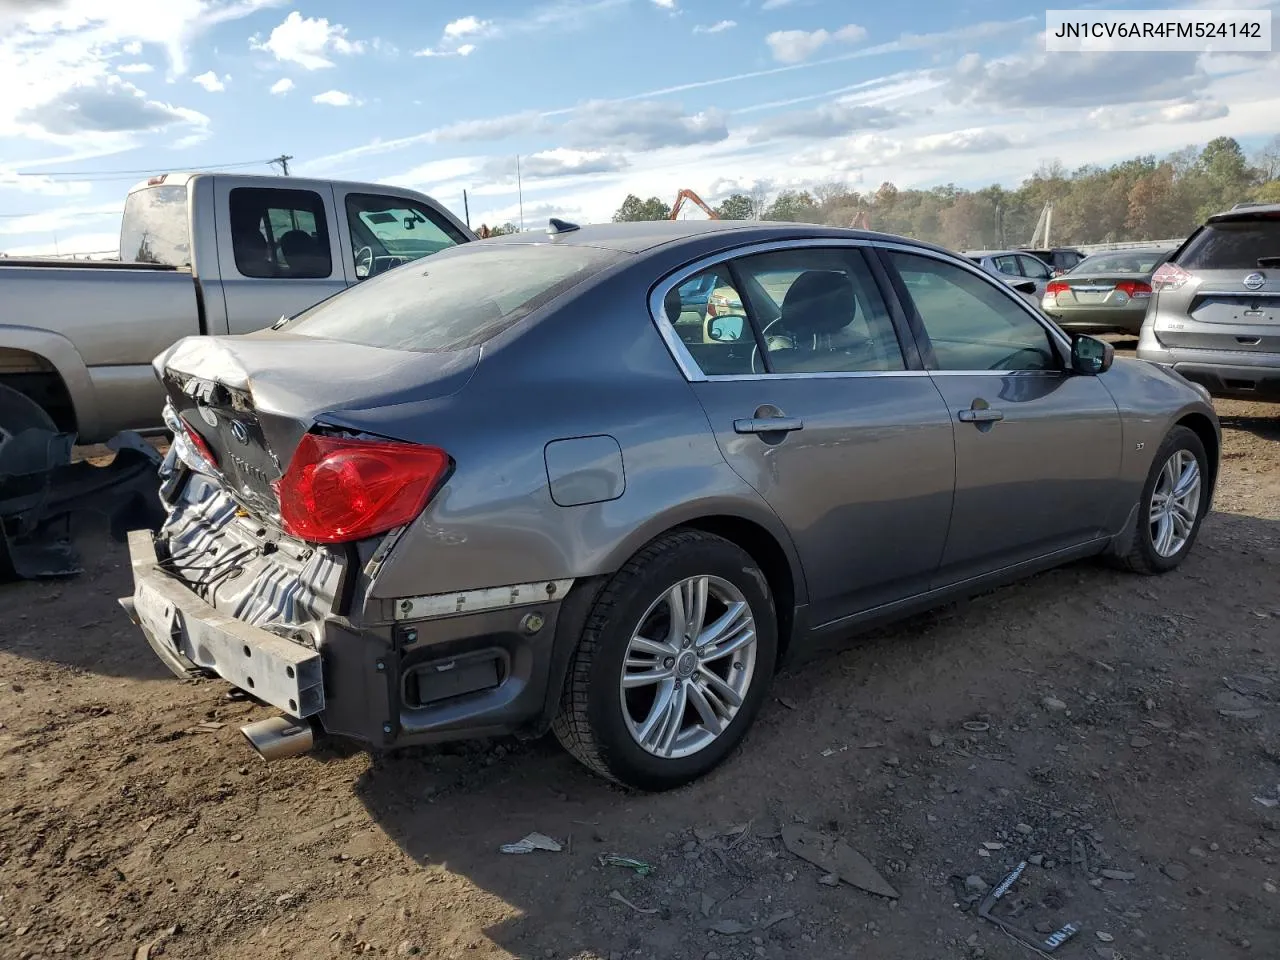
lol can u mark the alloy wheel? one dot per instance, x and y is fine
(1175, 503)
(688, 667)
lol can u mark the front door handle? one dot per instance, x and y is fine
(984, 415)
(768, 425)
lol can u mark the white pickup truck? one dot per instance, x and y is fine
(200, 254)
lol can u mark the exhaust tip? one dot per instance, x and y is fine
(279, 737)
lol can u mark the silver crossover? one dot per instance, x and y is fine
(1215, 309)
(602, 480)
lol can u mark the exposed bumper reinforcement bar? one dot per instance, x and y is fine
(280, 672)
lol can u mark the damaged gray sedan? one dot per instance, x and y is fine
(544, 482)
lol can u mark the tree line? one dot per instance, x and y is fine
(1146, 198)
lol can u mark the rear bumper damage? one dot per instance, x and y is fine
(290, 628)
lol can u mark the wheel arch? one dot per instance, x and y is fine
(770, 550)
(1202, 427)
(59, 368)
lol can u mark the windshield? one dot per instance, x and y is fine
(154, 228)
(455, 299)
(1122, 261)
(1234, 244)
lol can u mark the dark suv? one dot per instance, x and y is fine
(1059, 259)
(1214, 314)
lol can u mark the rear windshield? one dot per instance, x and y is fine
(456, 299)
(1122, 261)
(154, 228)
(1233, 244)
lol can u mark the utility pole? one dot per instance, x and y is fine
(283, 161)
(466, 209)
(520, 192)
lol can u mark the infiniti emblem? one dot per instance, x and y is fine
(239, 431)
(1254, 280)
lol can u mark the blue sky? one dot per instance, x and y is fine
(598, 97)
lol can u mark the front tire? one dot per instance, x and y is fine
(674, 663)
(1174, 501)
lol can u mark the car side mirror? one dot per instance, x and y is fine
(1091, 356)
(1024, 286)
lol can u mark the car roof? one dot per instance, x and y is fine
(992, 253)
(641, 236)
(1245, 213)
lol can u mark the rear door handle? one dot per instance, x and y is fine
(768, 425)
(980, 416)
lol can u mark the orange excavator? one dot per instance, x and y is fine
(691, 197)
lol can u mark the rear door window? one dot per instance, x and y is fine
(1034, 268)
(280, 234)
(1235, 244)
(1007, 265)
(458, 298)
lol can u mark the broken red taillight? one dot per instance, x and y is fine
(198, 443)
(339, 489)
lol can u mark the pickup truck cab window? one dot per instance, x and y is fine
(154, 228)
(279, 234)
(388, 231)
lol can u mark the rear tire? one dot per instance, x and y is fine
(639, 717)
(18, 412)
(1163, 529)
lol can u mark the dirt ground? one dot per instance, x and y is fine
(1120, 733)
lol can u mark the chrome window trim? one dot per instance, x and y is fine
(693, 373)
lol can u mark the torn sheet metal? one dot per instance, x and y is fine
(41, 489)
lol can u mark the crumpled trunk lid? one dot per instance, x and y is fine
(250, 399)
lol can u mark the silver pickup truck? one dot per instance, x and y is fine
(200, 254)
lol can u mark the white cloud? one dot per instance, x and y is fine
(793, 46)
(59, 218)
(103, 243)
(665, 4)
(550, 164)
(336, 98)
(134, 68)
(1035, 79)
(720, 26)
(466, 27)
(836, 119)
(458, 38)
(644, 125)
(776, 4)
(103, 106)
(1146, 114)
(58, 69)
(283, 85)
(211, 82)
(307, 41)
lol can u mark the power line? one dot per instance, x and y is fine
(89, 174)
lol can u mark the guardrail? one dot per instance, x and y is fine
(1131, 245)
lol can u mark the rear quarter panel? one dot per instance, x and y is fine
(594, 367)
